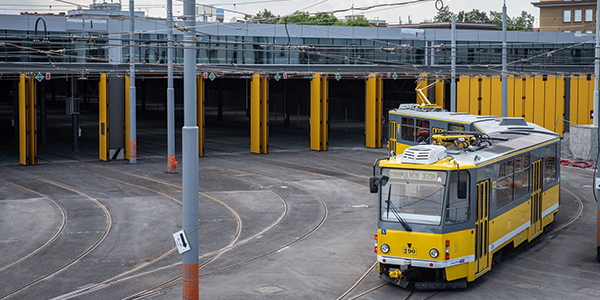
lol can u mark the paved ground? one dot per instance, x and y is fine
(292, 224)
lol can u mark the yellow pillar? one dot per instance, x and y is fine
(259, 114)
(374, 110)
(200, 114)
(23, 139)
(439, 91)
(32, 121)
(319, 119)
(421, 83)
(103, 115)
(463, 92)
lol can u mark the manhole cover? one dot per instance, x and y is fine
(526, 286)
(269, 289)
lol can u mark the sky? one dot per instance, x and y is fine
(418, 12)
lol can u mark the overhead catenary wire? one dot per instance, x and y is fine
(315, 53)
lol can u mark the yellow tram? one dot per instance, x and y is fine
(449, 205)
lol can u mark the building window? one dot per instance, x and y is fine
(589, 15)
(567, 16)
(577, 15)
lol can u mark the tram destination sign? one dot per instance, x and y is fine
(414, 175)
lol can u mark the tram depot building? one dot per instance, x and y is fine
(58, 70)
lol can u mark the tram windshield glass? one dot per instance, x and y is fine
(413, 196)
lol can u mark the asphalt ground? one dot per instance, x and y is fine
(291, 224)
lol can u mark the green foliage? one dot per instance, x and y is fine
(524, 22)
(443, 15)
(263, 17)
(305, 18)
(356, 22)
(474, 16)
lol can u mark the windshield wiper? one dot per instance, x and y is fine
(395, 211)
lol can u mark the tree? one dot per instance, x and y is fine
(524, 22)
(298, 17)
(356, 22)
(443, 15)
(324, 19)
(262, 17)
(474, 16)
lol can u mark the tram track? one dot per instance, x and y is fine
(175, 281)
(53, 238)
(127, 275)
(172, 283)
(78, 257)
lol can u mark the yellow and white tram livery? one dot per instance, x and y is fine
(448, 209)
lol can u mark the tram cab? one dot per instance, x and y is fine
(447, 208)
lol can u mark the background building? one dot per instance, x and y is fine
(567, 16)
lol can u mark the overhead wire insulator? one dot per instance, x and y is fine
(439, 4)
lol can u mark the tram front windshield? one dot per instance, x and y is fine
(413, 196)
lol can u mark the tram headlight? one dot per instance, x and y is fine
(385, 248)
(433, 253)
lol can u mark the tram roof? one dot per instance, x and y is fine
(440, 115)
(510, 136)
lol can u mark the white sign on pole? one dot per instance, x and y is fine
(181, 241)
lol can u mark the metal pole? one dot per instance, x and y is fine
(132, 132)
(596, 113)
(504, 71)
(171, 162)
(190, 155)
(453, 61)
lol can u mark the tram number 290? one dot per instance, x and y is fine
(409, 251)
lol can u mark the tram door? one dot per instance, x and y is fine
(481, 225)
(536, 199)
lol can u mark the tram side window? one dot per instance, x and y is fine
(408, 129)
(521, 176)
(457, 209)
(456, 127)
(504, 184)
(422, 130)
(550, 164)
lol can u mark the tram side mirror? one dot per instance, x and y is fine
(461, 193)
(374, 183)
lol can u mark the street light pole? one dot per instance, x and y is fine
(189, 134)
(171, 162)
(132, 101)
(453, 60)
(504, 70)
